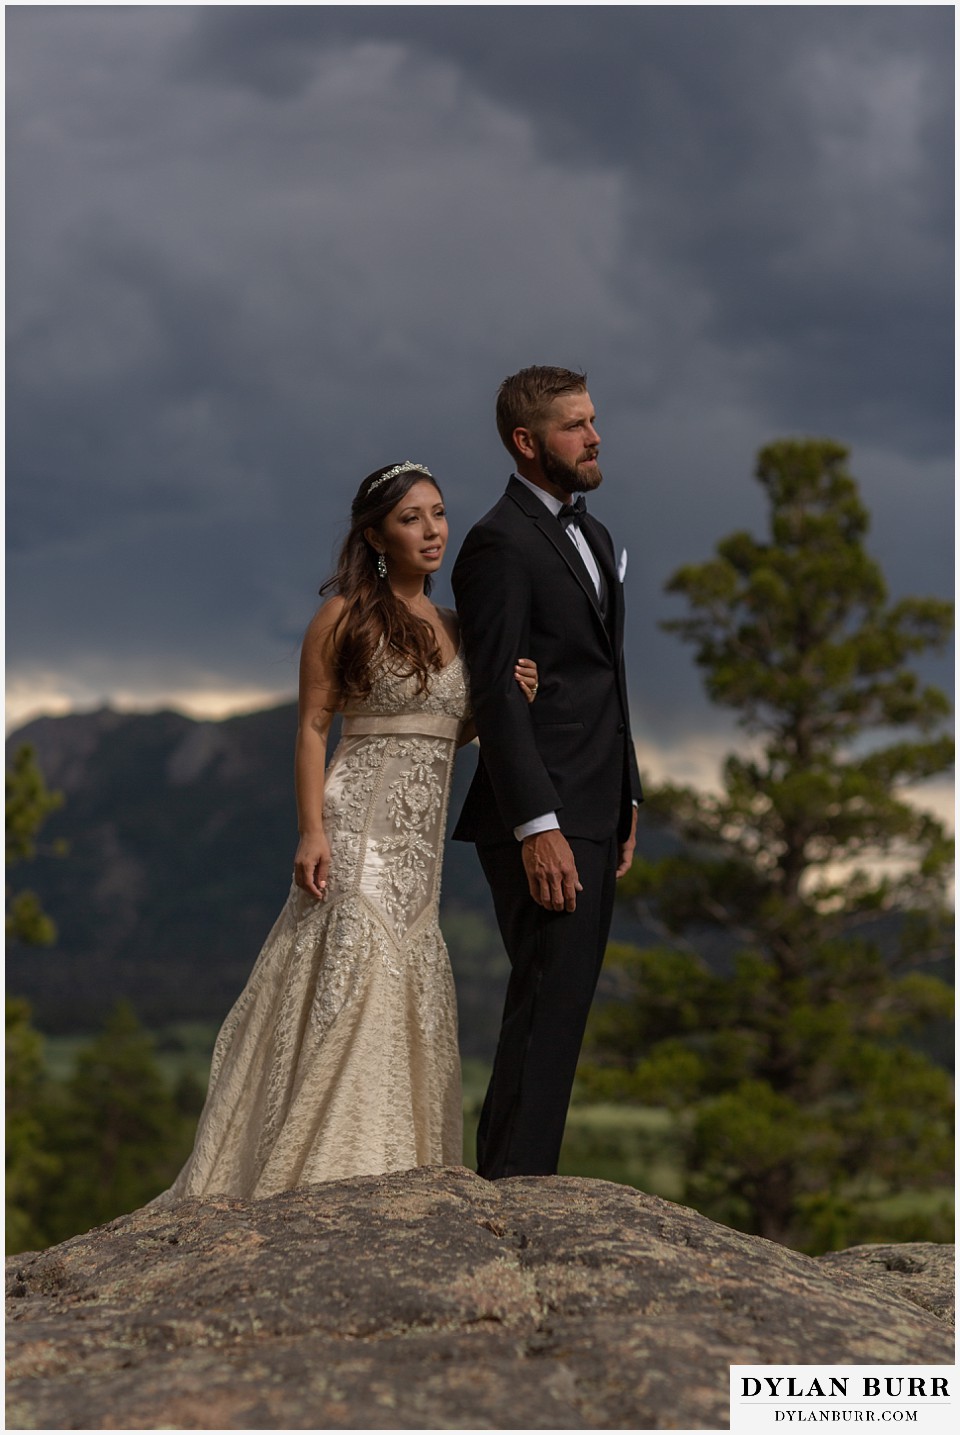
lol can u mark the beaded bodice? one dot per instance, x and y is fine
(386, 794)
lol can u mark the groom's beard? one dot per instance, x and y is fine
(570, 477)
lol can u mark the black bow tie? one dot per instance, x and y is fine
(572, 512)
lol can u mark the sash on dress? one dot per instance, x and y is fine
(401, 724)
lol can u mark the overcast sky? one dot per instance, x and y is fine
(256, 252)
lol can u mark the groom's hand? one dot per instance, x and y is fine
(626, 848)
(551, 871)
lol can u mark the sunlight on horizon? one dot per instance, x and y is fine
(25, 701)
(694, 760)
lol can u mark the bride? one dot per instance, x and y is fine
(340, 1056)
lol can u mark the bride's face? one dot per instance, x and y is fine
(413, 535)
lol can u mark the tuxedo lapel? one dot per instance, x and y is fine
(551, 530)
(600, 547)
(545, 523)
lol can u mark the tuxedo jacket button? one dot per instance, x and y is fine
(622, 728)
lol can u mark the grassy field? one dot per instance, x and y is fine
(182, 1049)
(631, 1145)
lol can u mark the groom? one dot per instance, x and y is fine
(553, 806)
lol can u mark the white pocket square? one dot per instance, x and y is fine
(622, 566)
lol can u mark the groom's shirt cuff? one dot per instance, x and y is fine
(547, 823)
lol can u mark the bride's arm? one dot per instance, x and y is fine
(318, 703)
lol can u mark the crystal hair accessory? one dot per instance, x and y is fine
(407, 466)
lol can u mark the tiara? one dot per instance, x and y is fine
(399, 468)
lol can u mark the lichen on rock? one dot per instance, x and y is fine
(434, 1299)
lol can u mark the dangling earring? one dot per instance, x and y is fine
(382, 566)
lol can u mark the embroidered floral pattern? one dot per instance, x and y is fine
(351, 785)
(340, 1056)
(414, 802)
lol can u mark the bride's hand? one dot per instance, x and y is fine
(311, 866)
(528, 677)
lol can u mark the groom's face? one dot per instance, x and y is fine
(568, 444)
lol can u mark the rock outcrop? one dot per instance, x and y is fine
(433, 1299)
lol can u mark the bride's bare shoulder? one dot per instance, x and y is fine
(328, 613)
(321, 626)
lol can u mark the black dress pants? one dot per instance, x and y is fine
(555, 960)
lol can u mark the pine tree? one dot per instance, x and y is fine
(802, 1091)
(29, 1162)
(117, 1128)
(29, 802)
(31, 1166)
(112, 1136)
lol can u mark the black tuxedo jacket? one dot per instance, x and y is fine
(522, 591)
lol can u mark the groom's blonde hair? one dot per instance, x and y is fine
(524, 399)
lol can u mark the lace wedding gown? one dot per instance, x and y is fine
(340, 1056)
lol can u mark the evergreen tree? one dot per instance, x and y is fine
(29, 1162)
(112, 1136)
(117, 1128)
(31, 1166)
(28, 804)
(802, 1097)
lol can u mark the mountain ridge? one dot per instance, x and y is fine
(181, 834)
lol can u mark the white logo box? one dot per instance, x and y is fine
(767, 1398)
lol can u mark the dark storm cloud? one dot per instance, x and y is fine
(255, 252)
(792, 161)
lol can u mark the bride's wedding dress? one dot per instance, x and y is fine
(340, 1056)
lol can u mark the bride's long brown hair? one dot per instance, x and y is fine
(371, 610)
